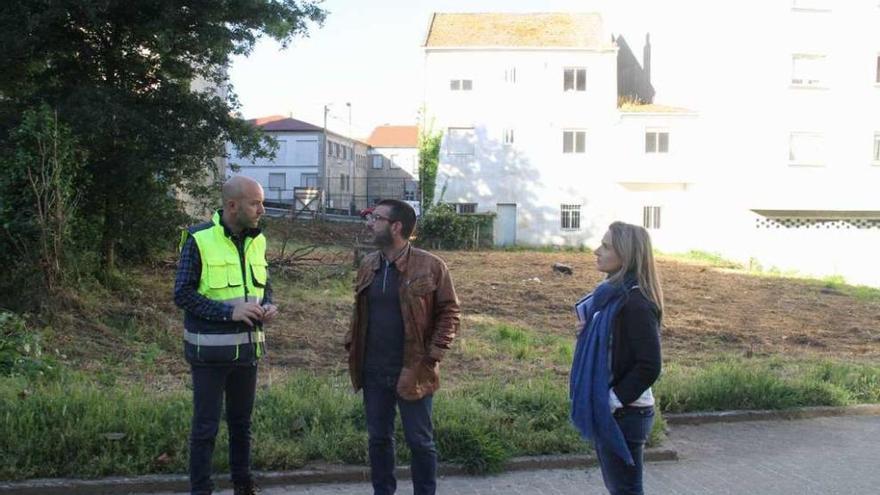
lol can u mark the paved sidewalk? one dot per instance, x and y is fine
(836, 455)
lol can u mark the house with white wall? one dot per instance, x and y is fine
(297, 161)
(528, 106)
(308, 156)
(789, 100)
(766, 147)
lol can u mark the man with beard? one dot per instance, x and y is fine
(406, 315)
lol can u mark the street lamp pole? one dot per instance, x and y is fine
(353, 166)
(325, 181)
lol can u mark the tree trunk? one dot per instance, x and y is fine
(109, 238)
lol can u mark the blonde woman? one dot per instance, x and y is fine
(617, 357)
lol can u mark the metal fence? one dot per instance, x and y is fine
(341, 195)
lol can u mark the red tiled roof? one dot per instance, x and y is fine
(280, 123)
(394, 136)
(568, 30)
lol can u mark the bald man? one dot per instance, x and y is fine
(223, 287)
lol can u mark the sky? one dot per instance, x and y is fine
(367, 54)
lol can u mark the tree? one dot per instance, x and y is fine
(120, 75)
(46, 162)
(429, 158)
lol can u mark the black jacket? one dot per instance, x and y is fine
(635, 348)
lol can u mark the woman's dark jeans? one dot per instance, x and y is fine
(620, 479)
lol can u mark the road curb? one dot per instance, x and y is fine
(699, 418)
(324, 473)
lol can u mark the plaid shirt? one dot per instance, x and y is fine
(186, 287)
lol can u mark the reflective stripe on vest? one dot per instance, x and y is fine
(219, 339)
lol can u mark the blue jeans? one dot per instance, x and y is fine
(380, 399)
(210, 384)
(620, 479)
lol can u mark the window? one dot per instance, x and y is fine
(574, 141)
(377, 162)
(465, 207)
(329, 148)
(308, 180)
(508, 136)
(806, 148)
(277, 182)
(305, 152)
(570, 216)
(510, 75)
(395, 161)
(807, 70)
(876, 147)
(342, 182)
(281, 155)
(461, 84)
(656, 142)
(877, 73)
(460, 141)
(348, 183)
(574, 79)
(651, 217)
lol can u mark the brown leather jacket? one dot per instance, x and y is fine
(430, 313)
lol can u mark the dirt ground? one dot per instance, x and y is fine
(709, 311)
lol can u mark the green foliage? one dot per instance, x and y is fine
(442, 228)
(38, 211)
(133, 83)
(77, 427)
(864, 292)
(712, 259)
(21, 349)
(736, 383)
(429, 158)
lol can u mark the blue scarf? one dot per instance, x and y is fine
(590, 370)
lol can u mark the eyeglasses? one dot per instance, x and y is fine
(375, 217)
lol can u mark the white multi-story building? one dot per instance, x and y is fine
(338, 171)
(532, 130)
(776, 163)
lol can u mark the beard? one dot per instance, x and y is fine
(244, 221)
(382, 238)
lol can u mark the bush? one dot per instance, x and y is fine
(442, 228)
(21, 352)
(765, 384)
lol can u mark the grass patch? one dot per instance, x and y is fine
(768, 383)
(76, 427)
(703, 257)
(863, 292)
(490, 338)
(544, 249)
(320, 284)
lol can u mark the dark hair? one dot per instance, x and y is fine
(402, 212)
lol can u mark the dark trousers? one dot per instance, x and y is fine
(620, 479)
(210, 384)
(380, 399)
